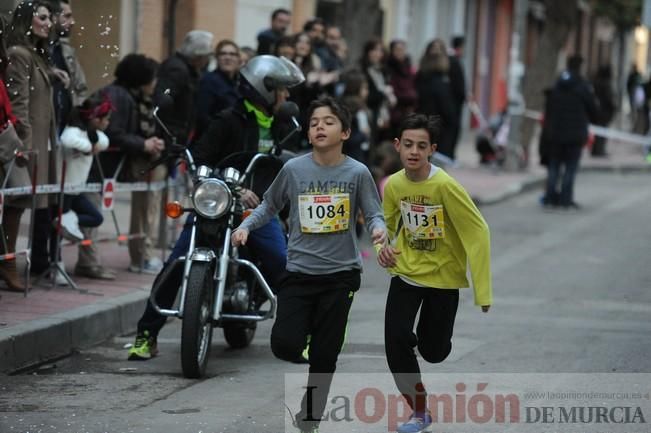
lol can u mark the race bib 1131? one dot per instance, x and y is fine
(423, 221)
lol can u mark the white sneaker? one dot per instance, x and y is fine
(70, 227)
(152, 267)
(59, 279)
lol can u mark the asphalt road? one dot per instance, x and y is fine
(572, 295)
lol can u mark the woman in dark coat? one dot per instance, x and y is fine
(402, 79)
(435, 93)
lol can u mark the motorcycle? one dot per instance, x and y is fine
(221, 285)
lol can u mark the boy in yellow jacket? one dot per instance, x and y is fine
(436, 231)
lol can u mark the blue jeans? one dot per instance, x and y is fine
(86, 211)
(268, 243)
(568, 163)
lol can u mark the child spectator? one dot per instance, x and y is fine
(81, 139)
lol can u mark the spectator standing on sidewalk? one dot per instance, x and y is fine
(29, 79)
(65, 59)
(218, 89)
(570, 109)
(180, 73)
(380, 98)
(435, 94)
(457, 84)
(14, 206)
(603, 89)
(636, 94)
(354, 98)
(133, 131)
(280, 20)
(402, 79)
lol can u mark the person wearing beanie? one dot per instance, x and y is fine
(180, 73)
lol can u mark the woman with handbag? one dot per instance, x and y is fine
(29, 79)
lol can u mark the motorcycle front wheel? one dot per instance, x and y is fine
(196, 329)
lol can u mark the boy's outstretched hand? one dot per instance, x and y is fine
(485, 308)
(387, 256)
(239, 237)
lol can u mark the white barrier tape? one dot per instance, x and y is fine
(601, 131)
(87, 187)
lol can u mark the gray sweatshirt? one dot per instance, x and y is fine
(324, 203)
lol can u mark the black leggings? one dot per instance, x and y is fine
(318, 306)
(438, 309)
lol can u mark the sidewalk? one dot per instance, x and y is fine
(52, 322)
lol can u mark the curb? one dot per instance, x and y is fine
(618, 169)
(31, 343)
(538, 181)
(515, 189)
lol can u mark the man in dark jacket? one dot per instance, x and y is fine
(280, 19)
(569, 111)
(180, 74)
(248, 126)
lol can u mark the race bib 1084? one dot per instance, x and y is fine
(423, 221)
(327, 213)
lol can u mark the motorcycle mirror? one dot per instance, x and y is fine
(164, 99)
(286, 115)
(287, 112)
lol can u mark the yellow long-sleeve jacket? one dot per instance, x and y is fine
(438, 231)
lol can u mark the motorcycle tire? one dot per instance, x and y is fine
(196, 328)
(239, 335)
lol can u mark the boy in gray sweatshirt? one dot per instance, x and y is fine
(325, 190)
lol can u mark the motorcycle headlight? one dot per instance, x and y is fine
(211, 198)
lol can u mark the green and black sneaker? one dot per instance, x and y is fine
(144, 348)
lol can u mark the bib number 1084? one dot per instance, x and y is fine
(329, 211)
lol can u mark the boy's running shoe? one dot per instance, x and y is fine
(144, 348)
(418, 422)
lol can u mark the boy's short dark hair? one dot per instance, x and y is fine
(431, 124)
(340, 111)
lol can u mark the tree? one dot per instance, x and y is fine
(625, 15)
(360, 22)
(560, 19)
